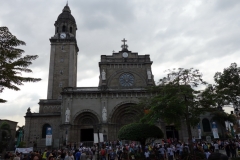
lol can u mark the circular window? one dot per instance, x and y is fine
(126, 80)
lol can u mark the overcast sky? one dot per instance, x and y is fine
(203, 34)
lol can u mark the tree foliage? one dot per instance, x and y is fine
(139, 132)
(5, 131)
(13, 63)
(228, 85)
(5, 127)
(178, 100)
(175, 98)
(226, 89)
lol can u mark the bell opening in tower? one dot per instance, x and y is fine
(86, 135)
(63, 28)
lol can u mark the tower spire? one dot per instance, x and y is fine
(67, 3)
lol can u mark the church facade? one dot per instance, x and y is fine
(76, 113)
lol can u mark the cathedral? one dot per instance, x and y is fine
(74, 113)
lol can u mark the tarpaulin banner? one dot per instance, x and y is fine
(215, 130)
(24, 150)
(49, 136)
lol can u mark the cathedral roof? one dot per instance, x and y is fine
(66, 14)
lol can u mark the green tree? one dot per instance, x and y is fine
(176, 101)
(228, 84)
(5, 131)
(13, 63)
(139, 132)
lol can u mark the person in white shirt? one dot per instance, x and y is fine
(216, 147)
(170, 153)
(181, 149)
(207, 153)
(161, 153)
(178, 147)
(237, 144)
(147, 153)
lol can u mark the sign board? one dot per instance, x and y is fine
(24, 150)
(49, 136)
(96, 137)
(215, 130)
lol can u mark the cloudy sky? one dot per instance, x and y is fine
(203, 34)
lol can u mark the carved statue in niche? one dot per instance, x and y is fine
(104, 114)
(149, 74)
(67, 114)
(103, 75)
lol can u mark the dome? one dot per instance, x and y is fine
(66, 14)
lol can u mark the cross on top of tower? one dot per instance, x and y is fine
(124, 46)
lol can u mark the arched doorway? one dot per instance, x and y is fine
(172, 132)
(84, 127)
(206, 125)
(44, 129)
(122, 115)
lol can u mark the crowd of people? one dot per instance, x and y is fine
(165, 150)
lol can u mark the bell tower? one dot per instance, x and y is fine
(63, 55)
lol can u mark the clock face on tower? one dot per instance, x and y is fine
(126, 80)
(125, 54)
(63, 35)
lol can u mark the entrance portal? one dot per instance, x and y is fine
(86, 135)
(171, 132)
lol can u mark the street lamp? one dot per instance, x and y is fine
(98, 128)
(236, 105)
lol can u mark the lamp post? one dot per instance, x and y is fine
(98, 142)
(237, 112)
(98, 150)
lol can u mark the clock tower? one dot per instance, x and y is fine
(63, 55)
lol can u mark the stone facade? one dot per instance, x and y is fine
(123, 77)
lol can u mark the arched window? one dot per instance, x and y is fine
(57, 29)
(206, 125)
(70, 29)
(63, 28)
(44, 129)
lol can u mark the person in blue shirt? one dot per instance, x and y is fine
(78, 155)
